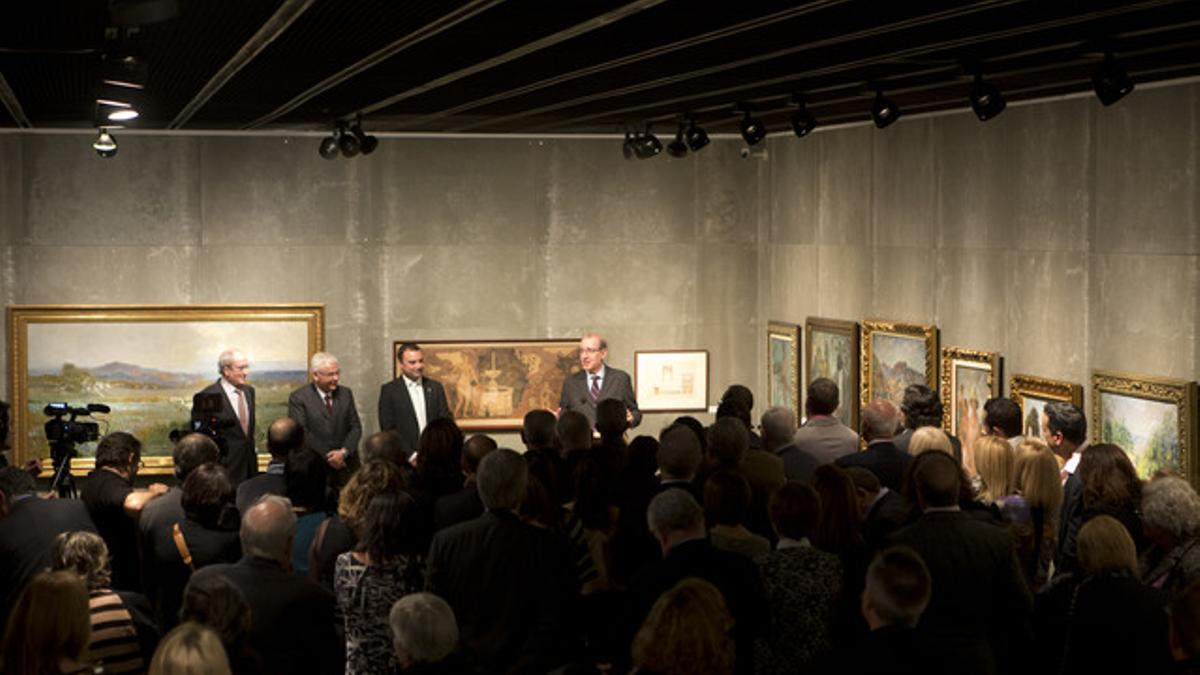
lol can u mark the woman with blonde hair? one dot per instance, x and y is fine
(48, 630)
(1033, 509)
(929, 438)
(995, 463)
(687, 631)
(190, 649)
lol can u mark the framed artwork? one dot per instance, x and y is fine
(491, 384)
(1152, 418)
(783, 365)
(831, 351)
(145, 363)
(968, 379)
(672, 380)
(1032, 393)
(895, 355)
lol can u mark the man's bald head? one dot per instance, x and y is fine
(937, 479)
(269, 528)
(879, 420)
(284, 436)
(474, 450)
(385, 445)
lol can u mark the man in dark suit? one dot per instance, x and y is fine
(459, 507)
(1066, 434)
(597, 381)
(881, 456)
(510, 584)
(284, 436)
(779, 428)
(410, 402)
(28, 525)
(980, 608)
(293, 627)
(883, 511)
(328, 415)
(234, 421)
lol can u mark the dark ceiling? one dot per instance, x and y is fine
(572, 66)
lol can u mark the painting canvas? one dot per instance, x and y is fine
(145, 363)
(1032, 393)
(491, 384)
(783, 365)
(1033, 415)
(969, 379)
(895, 356)
(1153, 419)
(832, 349)
(671, 380)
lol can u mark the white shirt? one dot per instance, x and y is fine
(1072, 464)
(234, 395)
(416, 393)
(325, 395)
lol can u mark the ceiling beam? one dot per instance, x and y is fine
(275, 26)
(11, 103)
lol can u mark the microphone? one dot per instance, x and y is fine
(98, 407)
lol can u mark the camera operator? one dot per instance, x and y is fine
(234, 422)
(114, 505)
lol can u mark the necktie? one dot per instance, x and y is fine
(328, 404)
(243, 413)
(595, 391)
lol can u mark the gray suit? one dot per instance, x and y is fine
(324, 432)
(616, 384)
(825, 438)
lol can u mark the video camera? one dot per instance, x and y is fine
(63, 434)
(206, 411)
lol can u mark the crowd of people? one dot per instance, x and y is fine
(731, 548)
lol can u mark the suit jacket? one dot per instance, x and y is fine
(883, 459)
(576, 395)
(888, 514)
(1070, 519)
(797, 464)
(293, 626)
(26, 534)
(324, 432)
(826, 439)
(396, 411)
(457, 507)
(240, 457)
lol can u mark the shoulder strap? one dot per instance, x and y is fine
(181, 545)
(318, 541)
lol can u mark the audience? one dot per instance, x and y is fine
(190, 649)
(1171, 519)
(424, 635)
(340, 533)
(162, 513)
(882, 457)
(49, 629)
(306, 477)
(218, 604)
(995, 463)
(1184, 636)
(823, 436)
(1002, 419)
(881, 511)
(1032, 511)
(464, 505)
(921, 407)
(726, 501)
(686, 632)
(896, 593)
(284, 437)
(839, 531)
(1107, 484)
(929, 438)
(738, 402)
(779, 433)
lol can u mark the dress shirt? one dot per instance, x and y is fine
(598, 377)
(1072, 464)
(416, 392)
(232, 393)
(326, 396)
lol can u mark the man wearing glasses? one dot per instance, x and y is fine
(597, 381)
(327, 412)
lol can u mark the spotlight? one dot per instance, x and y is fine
(329, 146)
(105, 145)
(884, 111)
(696, 136)
(366, 142)
(678, 148)
(627, 148)
(752, 128)
(803, 121)
(1110, 81)
(986, 99)
(647, 145)
(347, 142)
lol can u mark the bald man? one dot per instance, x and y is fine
(879, 420)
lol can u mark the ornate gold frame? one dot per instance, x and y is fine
(848, 329)
(1180, 393)
(926, 332)
(1043, 387)
(949, 356)
(794, 334)
(21, 316)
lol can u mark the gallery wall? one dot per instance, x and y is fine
(1062, 234)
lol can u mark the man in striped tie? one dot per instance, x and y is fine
(596, 382)
(235, 421)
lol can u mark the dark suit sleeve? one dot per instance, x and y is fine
(387, 409)
(296, 409)
(564, 399)
(630, 401)
(355, 434)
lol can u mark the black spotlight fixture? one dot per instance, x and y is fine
(347, 142)
(105, 145)
(366, 142)
(329, 145)
(803, 121)
(1110, 81)
(752, 128)
(695, 136)
(678, 148)
(884, 111)
(647, 145)
(986, 99)
(627, 148)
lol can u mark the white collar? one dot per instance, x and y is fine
(412, 383)
(229, 387)
(322, 393)
(598, 373)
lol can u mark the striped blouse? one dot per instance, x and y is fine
(114, 636)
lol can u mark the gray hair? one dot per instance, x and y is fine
(320, 359)
(679, 452)
(227, 358)
(673, 510)
(879, 420)
(779, 423)
(424, 629)
(83, 553)
(1171, 505)
(501, 479)
(268, 528)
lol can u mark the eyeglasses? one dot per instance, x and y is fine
(589, 350)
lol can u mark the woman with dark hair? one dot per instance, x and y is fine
(1110, 487)
(123, 633)
(48, 631)
(839, 531)
(381, 570)
(439, 458)
(341, 533)
(922, 407)
(207, 534)
(689, 630)
(726, 501)
(215, 602)
(306, 476)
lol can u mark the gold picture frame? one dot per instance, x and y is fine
(145, 362)
(1152, 418)
(964, 373)
(784, 368)
(891, 343)
(836, 343)
(1032, 392)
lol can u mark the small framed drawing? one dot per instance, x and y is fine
(671, 380)
(895, 355)
(1032, 393)
(783, 365)
(1152, 418)
(831, 351)
(968, 379)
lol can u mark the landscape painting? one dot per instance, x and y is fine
(895, 356)
(145, 363)
(1153, 419)
(1032, 393)
(492, 384)
(832, 349)
(783, 366)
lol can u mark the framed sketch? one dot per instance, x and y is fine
(1152, 418)
(831, 351)
(783, 365)
(1032, 393)
(895, 355)
(145, 363)
(968, 379)
(672, 380)
(491, 384)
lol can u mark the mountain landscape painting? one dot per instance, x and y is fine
(896, 362)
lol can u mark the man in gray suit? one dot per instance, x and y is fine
(597, 381)
(410, 402)
(327, 413)
(823, 436)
